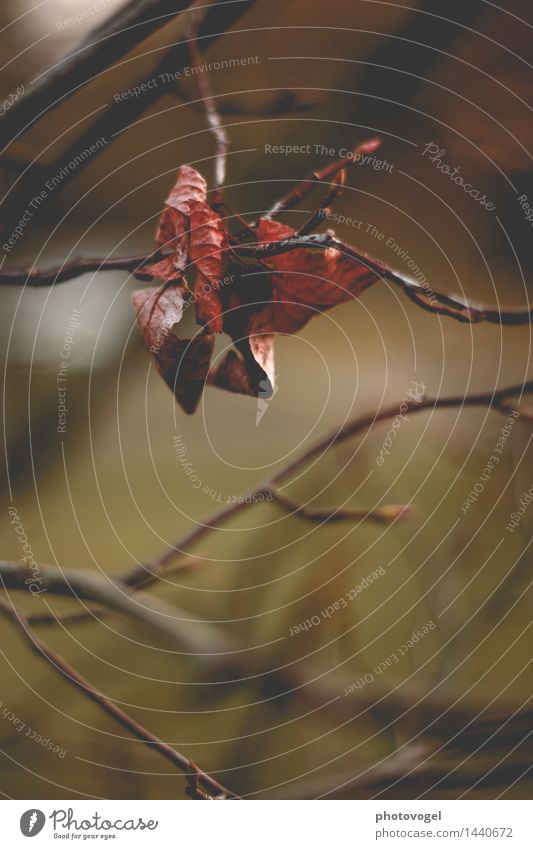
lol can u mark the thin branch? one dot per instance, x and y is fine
(148, 573)
(104, 46)
(336, 190)
(189, 564)
(497, 400)
(329, 172)
(115, 593)
(198, 13)
(186, 765)
(36, 277)
(423, 296)
(484, 399)
(198, 638)
(387, 514)
(116, 117)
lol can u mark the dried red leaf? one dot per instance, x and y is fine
(158, 311)
(171, 236)
(182, 363)
(190, 187)
(256, 349)
(206, 247)
(232, 373)
(306, 282)
(192, 358)
(262, 349)
(174, 227)
(301, 283)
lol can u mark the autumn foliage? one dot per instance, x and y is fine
(288, 290)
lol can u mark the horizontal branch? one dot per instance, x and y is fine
(194, 774)
(36, 277)
(199, 638)
(422, 296)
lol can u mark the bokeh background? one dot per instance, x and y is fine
(111, 493)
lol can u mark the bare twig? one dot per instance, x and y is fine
(329, 172)
(186, 765)
(335, 191)
(422, 296)
(36, 277)
(198, 13)
(102, 47)
(401, 770)
(387, 514)
(119, 115)
(196, 637)
(87, 585)
(496, 400)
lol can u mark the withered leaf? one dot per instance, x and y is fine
(174, 226)
(182, 363)
(206, 246)
(306, 282)
(301, 283)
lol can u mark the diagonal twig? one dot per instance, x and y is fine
(307, 185)
(198, 13)
(114, 593)
(195, 775)
(118, 116)
(497, 400)
(102, 47)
